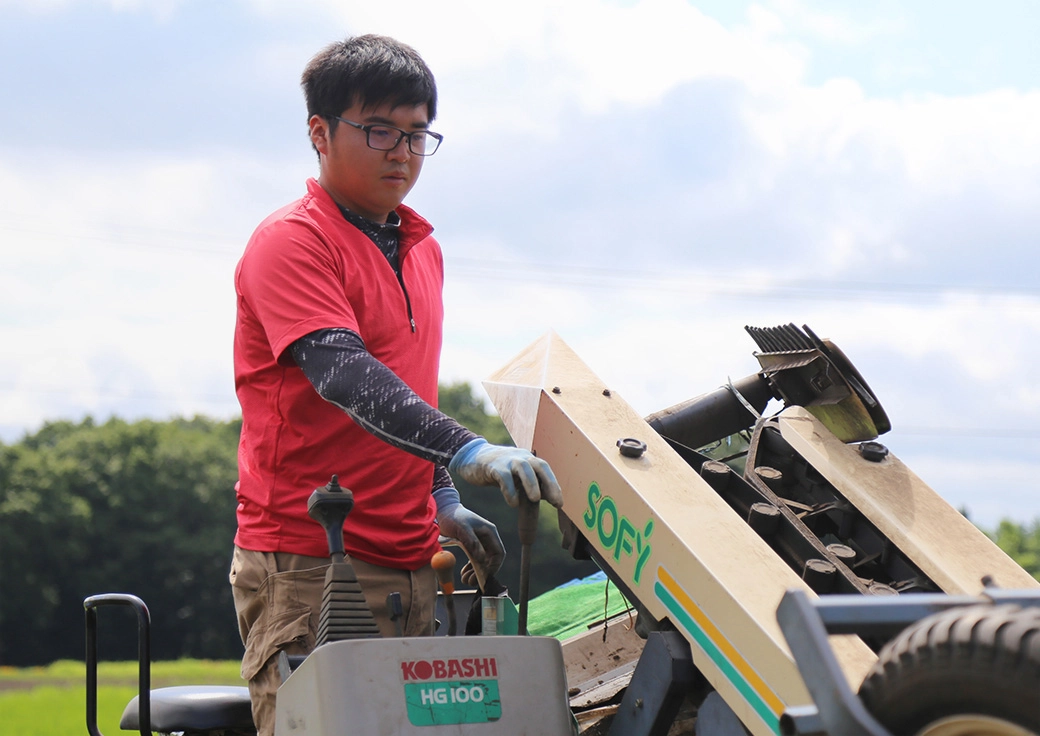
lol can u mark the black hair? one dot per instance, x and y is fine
(369, 70)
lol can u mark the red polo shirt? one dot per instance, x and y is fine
(304, 269)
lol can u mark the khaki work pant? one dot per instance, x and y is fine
(278, 601)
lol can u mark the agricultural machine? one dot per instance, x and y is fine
(789, 576)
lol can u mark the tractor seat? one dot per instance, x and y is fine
(194, 708)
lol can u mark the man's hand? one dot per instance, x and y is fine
(484, 464)
(478, 536)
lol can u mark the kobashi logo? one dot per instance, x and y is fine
(451, 691)
(449, 669)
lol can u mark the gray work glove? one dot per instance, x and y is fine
(478, 536)
(484, 464)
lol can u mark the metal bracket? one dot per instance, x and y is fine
(840, 710)
(662, 678)
(807, 623)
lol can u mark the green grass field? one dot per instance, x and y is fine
(51, 701)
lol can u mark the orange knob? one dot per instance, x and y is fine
(443, 564)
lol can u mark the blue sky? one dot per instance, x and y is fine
(895, 48)
(644, 178)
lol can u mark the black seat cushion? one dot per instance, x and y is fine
(193, 708)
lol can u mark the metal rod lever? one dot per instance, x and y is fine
(528, 529)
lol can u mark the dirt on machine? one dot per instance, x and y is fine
(788, 574)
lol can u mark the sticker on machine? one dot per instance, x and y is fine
(448, 691)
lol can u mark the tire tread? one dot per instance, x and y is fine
(979, 659)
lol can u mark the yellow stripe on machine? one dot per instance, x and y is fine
(662, 530)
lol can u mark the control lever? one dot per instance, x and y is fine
(443, 564)
(344, 612)
(528, 530)
(329, 507)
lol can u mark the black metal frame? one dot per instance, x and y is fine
(661, 679)
(806, 623)
(144, 657)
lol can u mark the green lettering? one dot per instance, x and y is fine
(608, 506)
(644, 552)
(625, 530)
(590, 516)
(616, 533)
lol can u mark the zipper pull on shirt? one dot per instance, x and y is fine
(386, 237)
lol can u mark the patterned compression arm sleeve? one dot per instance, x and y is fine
(345, 374)
(441, 477)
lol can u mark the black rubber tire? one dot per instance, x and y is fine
(982, 660)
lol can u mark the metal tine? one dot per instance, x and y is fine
(798, 339)
(762, 338)
(787, 337)
(780, 335)
(777, 339)
(757, 334)
(780, 339)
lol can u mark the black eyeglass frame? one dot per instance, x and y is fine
(403, 134)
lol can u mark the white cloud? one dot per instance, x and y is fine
(656, 179)
(833, 26)
(989, 491)
(524, 67)
(116, 289)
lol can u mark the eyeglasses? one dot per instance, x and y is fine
(386, 137)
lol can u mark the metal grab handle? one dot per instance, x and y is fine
(528, 529)
(144, 658)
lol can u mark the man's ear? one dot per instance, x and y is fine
(320, 133)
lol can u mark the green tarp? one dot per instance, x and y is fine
(569, 610)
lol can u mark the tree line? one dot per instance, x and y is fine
(148, 508)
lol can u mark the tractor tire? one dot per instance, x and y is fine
(972, 671)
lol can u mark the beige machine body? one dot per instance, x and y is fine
(686, 555)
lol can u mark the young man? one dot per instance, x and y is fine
(337, 346)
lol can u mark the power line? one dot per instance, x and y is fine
(576, 276)
(139, 238)
(123, 395)
(969, 432)
(964, 432)
(722, 284)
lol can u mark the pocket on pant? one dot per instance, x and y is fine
(249, 570)
(291, 600)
